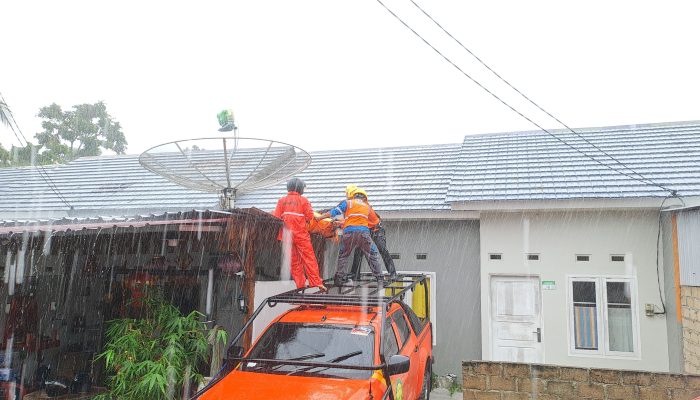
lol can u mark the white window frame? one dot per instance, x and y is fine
(602, 317)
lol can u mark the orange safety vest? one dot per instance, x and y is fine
(359, 213)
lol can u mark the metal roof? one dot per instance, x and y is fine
(536, 166)
(491, 167)
(400, 178)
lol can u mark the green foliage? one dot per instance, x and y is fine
(85, 130)
(155, 356)
(5, 160)
(454, 387)
(5, 113)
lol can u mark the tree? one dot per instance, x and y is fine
(5, 115)
(85, 130)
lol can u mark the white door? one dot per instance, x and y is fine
(515, 319)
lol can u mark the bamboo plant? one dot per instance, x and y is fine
(156, 356)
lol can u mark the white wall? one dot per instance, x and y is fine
(557, 237)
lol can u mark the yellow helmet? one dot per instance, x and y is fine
(357, 191)
(349, 189)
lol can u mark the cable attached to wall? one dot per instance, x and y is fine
(658, 271)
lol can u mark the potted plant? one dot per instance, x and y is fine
(155, 356)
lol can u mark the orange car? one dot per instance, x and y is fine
(343, 344)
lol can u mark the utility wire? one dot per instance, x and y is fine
(640, 178)
(39, 168)
(537, 105)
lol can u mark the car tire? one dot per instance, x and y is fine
(427, 384)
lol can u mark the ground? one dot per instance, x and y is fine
(444, 394)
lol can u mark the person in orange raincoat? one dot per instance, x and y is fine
(295, 210)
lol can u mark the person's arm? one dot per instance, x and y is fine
(308, 211)
(338, 210)
(278, 209)
(373, 218)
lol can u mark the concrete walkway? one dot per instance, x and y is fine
(444, 394)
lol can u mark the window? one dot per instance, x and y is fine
(391, 346)
(583, 257)
(421, 256)
(318, 343)
(617, 258)
(533, 257)
(404, 330)
(602, 316)
(395, 256)
(416, 322)
(494, 256)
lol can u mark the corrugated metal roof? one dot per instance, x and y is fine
(400, 178)
(536, 166)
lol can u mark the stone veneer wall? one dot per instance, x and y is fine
(514, 381)
(690, 310)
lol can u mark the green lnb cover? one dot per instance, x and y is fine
(225, 117)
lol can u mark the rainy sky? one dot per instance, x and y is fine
(331, 74)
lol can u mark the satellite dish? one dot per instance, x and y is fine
(227, 165)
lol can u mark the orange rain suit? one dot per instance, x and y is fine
(295, 210)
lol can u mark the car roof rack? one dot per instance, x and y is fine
(368, 291)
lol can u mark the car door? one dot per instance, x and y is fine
(408, 347)
(391, 345)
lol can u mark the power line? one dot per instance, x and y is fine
(641, 178)
(535, 104)
(39, 168)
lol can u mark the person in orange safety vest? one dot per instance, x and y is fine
(359, 216)
(295, 210)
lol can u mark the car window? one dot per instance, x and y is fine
(402, 325)
(416, 322)
(391, 346)
(342, 344)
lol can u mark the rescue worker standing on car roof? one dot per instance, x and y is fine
(379, 238)
(295, 210)
(356, 234)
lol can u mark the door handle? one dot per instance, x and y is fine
(539, 335)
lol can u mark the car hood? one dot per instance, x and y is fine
(255, 385)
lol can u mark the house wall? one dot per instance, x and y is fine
(500, 380)
(674, 327)
(688, 250)
(452, 249)
(690, 306)
(558, 237)
(688, 258)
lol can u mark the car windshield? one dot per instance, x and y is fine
(338, 344)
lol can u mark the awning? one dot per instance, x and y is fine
(204, 221)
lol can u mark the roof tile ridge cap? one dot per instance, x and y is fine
(410, 147)
(592, 129)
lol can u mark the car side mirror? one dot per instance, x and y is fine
(399, 364)
(234, 352)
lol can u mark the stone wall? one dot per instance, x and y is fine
(690, 309)
(514, 381)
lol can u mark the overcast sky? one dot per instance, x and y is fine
(331, 74)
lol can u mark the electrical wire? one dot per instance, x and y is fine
(658, 242)
(639, 179)
(14, 127)
(647, 180)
